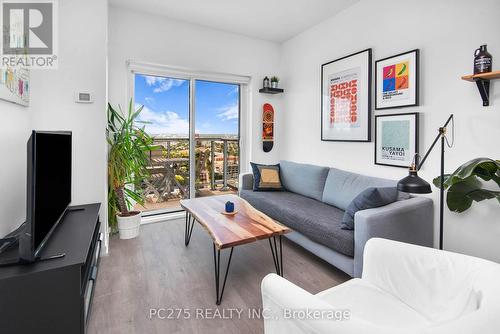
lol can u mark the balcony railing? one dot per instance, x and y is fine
(216, 169)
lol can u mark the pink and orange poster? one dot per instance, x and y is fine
(343, 91)
(346, 98)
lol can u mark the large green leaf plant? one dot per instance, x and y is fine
(464, 185)
(128, 159)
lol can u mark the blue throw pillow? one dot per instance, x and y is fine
(367, 199)
(266, 177)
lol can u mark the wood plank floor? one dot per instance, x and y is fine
(156, 271)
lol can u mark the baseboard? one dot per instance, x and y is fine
(162, 217)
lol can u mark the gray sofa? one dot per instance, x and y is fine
(313, 204)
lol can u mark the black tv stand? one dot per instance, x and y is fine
(54, 296)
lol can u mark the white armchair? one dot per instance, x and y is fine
(404, 289)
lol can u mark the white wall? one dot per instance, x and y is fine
(15, 129)
(447, 32)
(82, 67)
(154, 39)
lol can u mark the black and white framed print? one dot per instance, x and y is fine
(346, 98)
(396, 81)
(396, 139)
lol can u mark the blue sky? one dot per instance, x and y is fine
(166, 105)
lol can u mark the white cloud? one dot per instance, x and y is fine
(229, 113)
(152, 80)
(149, 99)
(168, 84)
(162, 84)
(163, 122)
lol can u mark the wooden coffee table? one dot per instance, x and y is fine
(246, 226)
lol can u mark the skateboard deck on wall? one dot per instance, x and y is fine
(267, 127)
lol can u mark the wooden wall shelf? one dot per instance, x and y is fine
(269, 90)
(483, 76)
(482, 81)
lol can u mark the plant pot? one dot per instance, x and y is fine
(274, 84)
(128, 226)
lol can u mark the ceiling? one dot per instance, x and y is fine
(273, 20)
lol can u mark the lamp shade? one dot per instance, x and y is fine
(414, 184)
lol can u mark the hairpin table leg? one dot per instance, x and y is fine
(277, 254)
(217, 274)
(188, 231)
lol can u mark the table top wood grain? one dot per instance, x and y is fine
(247, 226)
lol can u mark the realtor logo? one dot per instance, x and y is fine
(28, 33)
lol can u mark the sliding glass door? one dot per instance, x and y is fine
(217, 114)
(195, 124)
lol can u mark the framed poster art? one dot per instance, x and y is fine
(346, 98)
(397, 81)
(15, 85)
(396, 139)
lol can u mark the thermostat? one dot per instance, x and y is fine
(83, 98)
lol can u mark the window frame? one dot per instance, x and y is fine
(244, 127)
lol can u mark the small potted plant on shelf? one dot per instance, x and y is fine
(128, 158)
(274, 81)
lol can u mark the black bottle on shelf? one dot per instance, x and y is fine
(265, 82)
(482, 60)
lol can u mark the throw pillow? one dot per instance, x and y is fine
(266, 177)
(367, 199)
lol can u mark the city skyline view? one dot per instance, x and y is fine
(166, 106)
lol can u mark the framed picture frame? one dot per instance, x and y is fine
(396, 139)
(346, 98)
(15, 85)
(397, 81)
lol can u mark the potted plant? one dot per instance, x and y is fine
(128, 159)
(274, 81)
(464, 186)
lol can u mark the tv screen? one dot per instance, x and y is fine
(49, 183)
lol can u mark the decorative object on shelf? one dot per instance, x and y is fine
(15, 85)
(396, 139)
(482, 81)
(483, 61)
(229, 207)
(463, 186)
(265, 82)
(414, 184)
(267, 127)
(397, 81)
(274, 81)
(346, 98)
(128, 158)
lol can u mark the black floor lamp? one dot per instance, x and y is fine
(416, 185)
